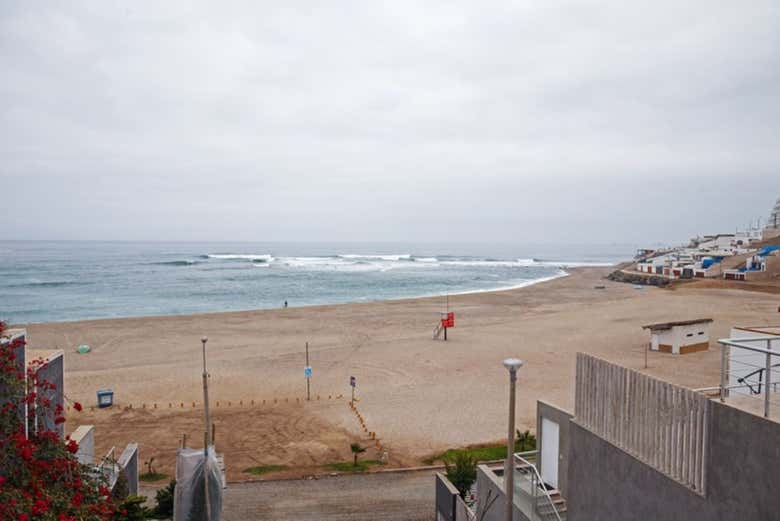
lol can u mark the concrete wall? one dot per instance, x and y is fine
(52, 372)
(743, 470)
(562, 418)
(445, 498)
(128, 463)
(490, 486)
(449, 505)
(84, 435)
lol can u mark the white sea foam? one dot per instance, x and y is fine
(426, 259)
(241, 256)
(330, 263)
(484, 263)
(404, 256)
(516, 285)
(304, 262)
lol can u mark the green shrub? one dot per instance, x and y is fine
(164, 498)
(462, 471)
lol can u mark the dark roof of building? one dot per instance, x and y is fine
(670, 325)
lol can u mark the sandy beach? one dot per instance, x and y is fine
(419, 395)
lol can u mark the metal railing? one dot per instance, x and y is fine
(750, 366)
(108, 468)
(531, 490)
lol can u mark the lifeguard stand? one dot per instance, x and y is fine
(446, 321)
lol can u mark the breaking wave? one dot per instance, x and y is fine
(241, 256)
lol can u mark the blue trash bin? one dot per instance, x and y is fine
(105, 398)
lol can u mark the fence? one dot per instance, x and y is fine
(216, 404)
(661, 424)
(750, 367)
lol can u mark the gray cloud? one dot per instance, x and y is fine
(389, 121)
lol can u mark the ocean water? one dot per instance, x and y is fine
(68, 280)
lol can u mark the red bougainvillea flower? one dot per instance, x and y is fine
(40, 507)
(40, 476)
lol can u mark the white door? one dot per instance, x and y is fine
(550, 452)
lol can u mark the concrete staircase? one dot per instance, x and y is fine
(546, 511)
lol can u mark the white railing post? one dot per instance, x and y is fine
(768, 379)
(723, 381)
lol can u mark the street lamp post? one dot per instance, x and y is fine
(512, 365)
(206, 432)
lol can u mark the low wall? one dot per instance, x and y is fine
(52, 372)
(128, 463)
(445, 498)
(449, 505)
(490, 493)
(84, 435)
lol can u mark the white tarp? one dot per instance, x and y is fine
(189, 500)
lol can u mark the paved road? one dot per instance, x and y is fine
(397, 496)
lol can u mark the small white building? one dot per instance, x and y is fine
(680, 338)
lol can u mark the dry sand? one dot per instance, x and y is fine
(418, 394)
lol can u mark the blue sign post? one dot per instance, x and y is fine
(307, 374)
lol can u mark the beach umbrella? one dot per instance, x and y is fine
(83, 349)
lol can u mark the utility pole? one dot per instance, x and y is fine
(206, 432)
(206, 388)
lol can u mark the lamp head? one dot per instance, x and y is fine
(513, 364)
(204, 339)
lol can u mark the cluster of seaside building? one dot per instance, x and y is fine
(749, 255)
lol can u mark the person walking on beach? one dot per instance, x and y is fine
(285, 304)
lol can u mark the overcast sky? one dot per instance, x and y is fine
(491, 121)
